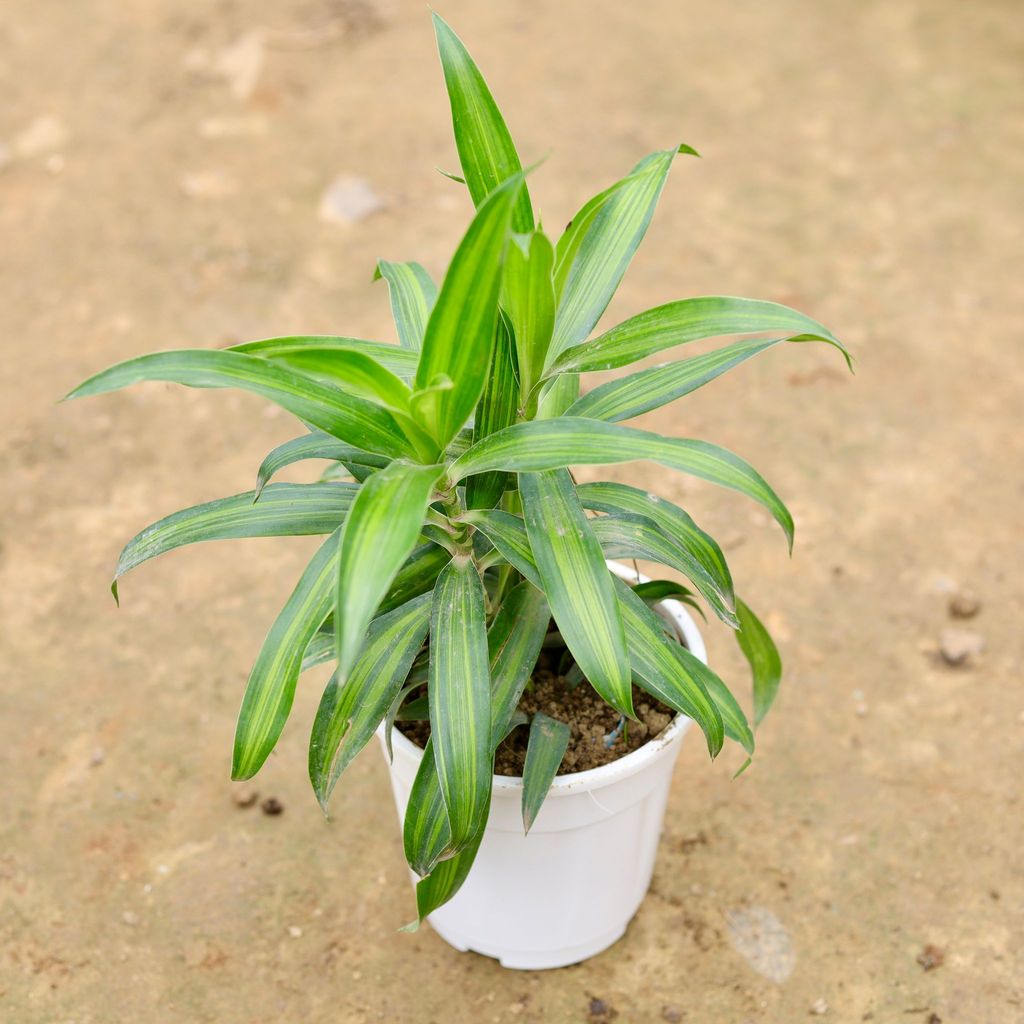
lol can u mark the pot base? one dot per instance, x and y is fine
(537, 960)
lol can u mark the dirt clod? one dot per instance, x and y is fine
(272, 806)
(600, 1009)
(964, 604)
(931, 957)
(958, 645)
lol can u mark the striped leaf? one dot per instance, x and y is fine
(649, 389)
(513, 644)
(454, 362)
(686, 320)
(577, 583)
(568, 245)
(271, 686)
(314, 445)
(763, 656)
(416, 577)
(486, 151)
(529, 299)
(612, 236)
(549, 444)
(347, 417)
(399, 361)
(497, 408)
(634, 536)
(285, 510)
(355, 373)
(445, 880)
(671, 520)
(667, 670)
(412, 295)
(380, 532)
(544, 752)
(460, 698)
(349, 712)
(508, 535)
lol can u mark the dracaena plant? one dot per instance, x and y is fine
(454, 530)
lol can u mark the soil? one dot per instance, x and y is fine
(587, 715)
(163, 166)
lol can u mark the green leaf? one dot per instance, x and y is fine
(544, 751)
(648, 389)
(445, 880)
(634, 536)
(460, 331)
(508, 535)
(611, 237)
(349, 712)
(513, 642)
(529, 299)
(350, 419)
(671, 520)
(654, 591)
(577, 583)
(412, 298)
(460, 698)
(667, 670)
(380, 532)
(558, 395)
(763, 656)
(568, 246)
(416, 577)
(285, 510)
(677, 323)
(271, 687)
(549, 444)
(400, 361)
(486, 151)
(660, 590)
(497, 408)
(354, 373)
(314, 445)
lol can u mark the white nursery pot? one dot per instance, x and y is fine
(566, 891)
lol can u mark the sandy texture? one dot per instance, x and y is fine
(164, 175)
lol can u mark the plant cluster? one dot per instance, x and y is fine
(454, 530)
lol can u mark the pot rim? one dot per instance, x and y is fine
(605, 774)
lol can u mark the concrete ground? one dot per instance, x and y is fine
(164, 171)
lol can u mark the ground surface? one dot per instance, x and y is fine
(164, 168)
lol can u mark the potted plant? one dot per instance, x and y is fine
(460, 553)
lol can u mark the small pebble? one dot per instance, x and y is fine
(964, 604)
(96, 758)
(930, 957)
(348, 200)
(295, 931)
(245, 797)
(957, 645)
(819, 1008)
(598, 1007)
(672, 1014)
(272, 806)
(129, 917)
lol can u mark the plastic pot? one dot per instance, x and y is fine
(566, 891)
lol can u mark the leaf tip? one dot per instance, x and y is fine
(114, 593)
(742, 768)
(687, 150)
